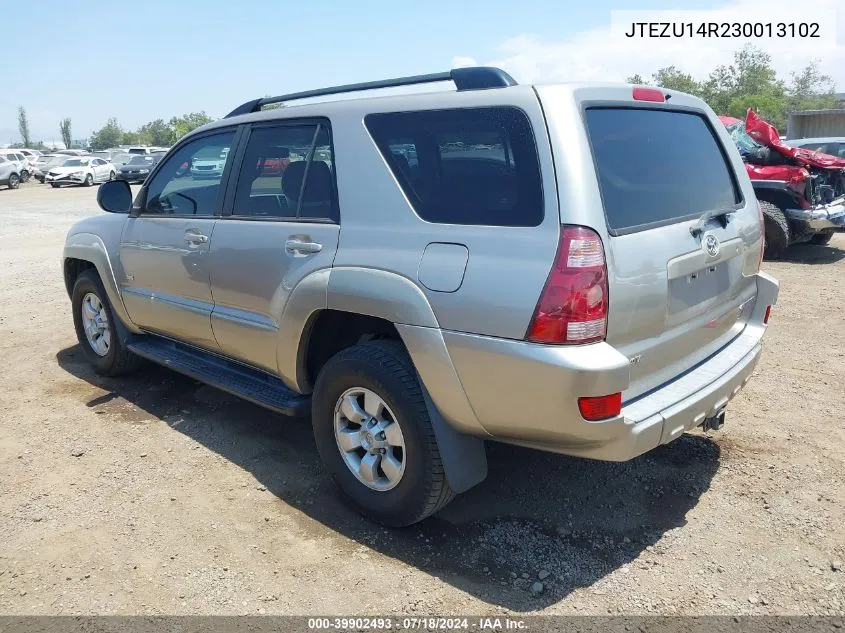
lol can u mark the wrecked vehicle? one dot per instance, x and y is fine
(801, 192)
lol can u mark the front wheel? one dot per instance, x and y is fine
(24, 176)
(777, 230)
(54, 185)
(89, 180)
(374, 435)
(14, 181)
(821, 239)
(95, 327)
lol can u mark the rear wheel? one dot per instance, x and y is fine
(24, 176)
(54, 185)
(374, 435)
(89, 180)
(777, 230)
(822, 238)
(111, 175)
(14, 181)
(95, 327)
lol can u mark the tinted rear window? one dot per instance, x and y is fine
(657, 167)
(464, 166)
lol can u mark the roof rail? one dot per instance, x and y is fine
(472, 78)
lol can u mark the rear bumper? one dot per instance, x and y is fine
(528, 394)
(820, 218)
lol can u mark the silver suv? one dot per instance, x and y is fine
(573, 268)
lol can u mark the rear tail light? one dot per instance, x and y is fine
(762, 236)
(649, 94)
(600, 407)
(768, 314)
(573, 306)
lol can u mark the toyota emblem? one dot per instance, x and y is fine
(711, 245)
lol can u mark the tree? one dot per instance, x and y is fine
(156, 133)
(107, 136)
(636, 79)
(64, 129)
(810, 90)
(672, 78)
(130, 138)
(23, 127)
(187, 122)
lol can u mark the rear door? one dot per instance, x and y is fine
(649, 171)
(280, 225)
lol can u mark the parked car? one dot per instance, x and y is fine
(208, 164)
(801, 192)
(82, 170)
(31, 156)
(138, 167)
(596, 291)
(45, 163)
(72, 152)
(833, 145)
(9, 174)
(120, 159)
(22, 168)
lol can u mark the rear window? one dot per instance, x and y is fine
(656, 167)
(464, 166)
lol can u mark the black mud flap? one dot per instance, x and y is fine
(464, 457)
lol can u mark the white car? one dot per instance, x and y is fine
(9, 173)
(81, 170)
(21, 164)
(31, 156)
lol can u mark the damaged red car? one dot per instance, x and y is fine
(801, 192)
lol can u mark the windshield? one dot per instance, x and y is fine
(647, 177)
(743, 141)
(141, 160)
(211, 153)
(75, 162)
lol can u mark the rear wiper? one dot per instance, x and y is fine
(716, 214)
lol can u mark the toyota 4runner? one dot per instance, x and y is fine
(545, 266)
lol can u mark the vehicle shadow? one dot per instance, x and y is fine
(813, 254)
(576, 520)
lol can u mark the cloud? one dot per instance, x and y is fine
(604, 54)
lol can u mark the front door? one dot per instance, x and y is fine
(164, 251)
(283, 226)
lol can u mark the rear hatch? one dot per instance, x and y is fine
(648, 172)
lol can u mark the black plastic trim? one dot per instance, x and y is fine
(472, 78)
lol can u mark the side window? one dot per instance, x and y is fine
(189, 180)
(286, 172)
(474, 166)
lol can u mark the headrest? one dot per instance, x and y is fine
(319, 187)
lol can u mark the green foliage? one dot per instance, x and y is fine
(188, 122)
(130, 138)
(751, 81)
(110, 135)
(65, 131)
(23, 127)
(156, 133)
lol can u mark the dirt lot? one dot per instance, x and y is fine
(155, 494)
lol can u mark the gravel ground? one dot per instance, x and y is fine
(155, 494)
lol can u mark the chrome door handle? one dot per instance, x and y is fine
(302, 247)
(195, 238)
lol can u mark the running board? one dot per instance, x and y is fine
(250, 384)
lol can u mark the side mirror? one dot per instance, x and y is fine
(115, 196)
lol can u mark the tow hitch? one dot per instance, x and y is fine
(715, 423)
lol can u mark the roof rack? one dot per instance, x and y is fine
(472, 78)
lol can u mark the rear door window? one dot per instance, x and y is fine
(464, 166)
(657, 167)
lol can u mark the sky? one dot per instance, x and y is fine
(140, 61)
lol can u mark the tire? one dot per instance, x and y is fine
(117, 360)
(89, 180)
(54, 185)
(822, 239)
(24, 176)
(111, 176)
(383, 368)
(777, 230)
(14, 181)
